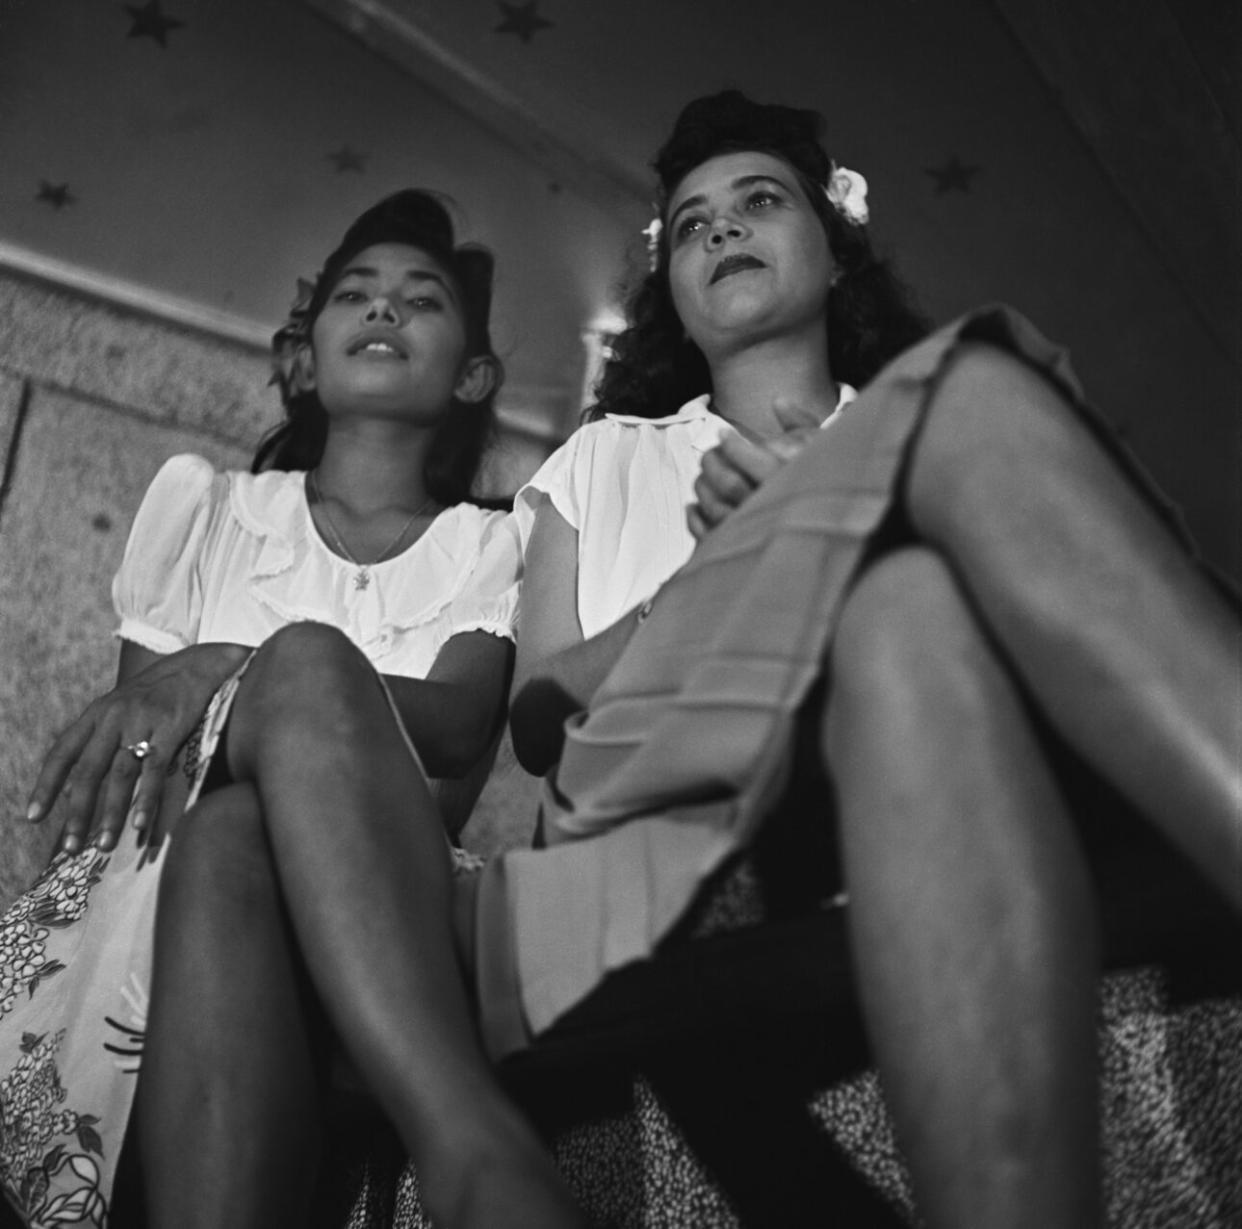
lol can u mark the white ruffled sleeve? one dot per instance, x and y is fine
(488, 601)
(157, 592)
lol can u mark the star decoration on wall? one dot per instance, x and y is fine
(522, 20)
(954, 176)
(149, 22)
(55, 194)
(348, 159)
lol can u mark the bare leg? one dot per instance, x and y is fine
(228, 1107)
(1132, 655)
(970, 912)
(364, 871)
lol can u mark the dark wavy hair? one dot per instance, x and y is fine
(422, 220)
(653, 367)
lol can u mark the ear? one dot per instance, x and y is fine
(304, 369)
(478, 378)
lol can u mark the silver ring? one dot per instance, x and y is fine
(139, 750)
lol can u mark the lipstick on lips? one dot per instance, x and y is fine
(734, 263)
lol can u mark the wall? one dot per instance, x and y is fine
(93, 398)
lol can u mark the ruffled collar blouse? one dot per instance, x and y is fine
(233, 556)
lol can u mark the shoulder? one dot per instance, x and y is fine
(183, 487)
(469, 525)
(271, 502)
(624, 436)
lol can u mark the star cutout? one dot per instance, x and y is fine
(56, 194)
(150, 22)
(522, 20)
(954, 176)
(347, 159)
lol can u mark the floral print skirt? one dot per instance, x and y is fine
(75, 964)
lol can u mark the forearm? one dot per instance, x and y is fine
(448, 726)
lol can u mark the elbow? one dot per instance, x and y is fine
(458, 748)
(537, 719)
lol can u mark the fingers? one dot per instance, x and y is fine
(55, 768)
(718, 493)
(752, 463)
(697, 523)
(796, 415)
(131, 790)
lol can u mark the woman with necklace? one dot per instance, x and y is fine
(270, 604)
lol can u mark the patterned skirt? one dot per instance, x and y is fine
(75, 967)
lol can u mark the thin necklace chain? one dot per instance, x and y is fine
(363, 578)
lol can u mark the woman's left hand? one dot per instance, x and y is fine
(736, 467)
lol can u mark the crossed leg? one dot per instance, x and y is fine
(355, 845)
(1131, 654)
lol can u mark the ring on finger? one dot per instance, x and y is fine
(141, 749)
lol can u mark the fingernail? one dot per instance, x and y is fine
(139, 820)
(72, 844)
(34, 811)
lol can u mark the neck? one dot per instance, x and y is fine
(371, 465)
(747, 383)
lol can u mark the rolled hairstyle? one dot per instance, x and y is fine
(654, 368)
(420, 219)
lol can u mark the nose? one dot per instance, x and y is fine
(722, 228)
(381, 310)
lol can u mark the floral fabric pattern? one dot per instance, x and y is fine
(31, 1097)
(57, 900)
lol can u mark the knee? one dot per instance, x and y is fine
(298, 666)
(993, 422)
(907, 635)
(303, 650)
(308, 688)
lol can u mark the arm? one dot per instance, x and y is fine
(159, 698)
(453, 714)
(558, 671)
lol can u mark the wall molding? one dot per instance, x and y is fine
(120, 292)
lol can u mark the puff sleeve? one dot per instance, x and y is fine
(488, 601)
(157, 591)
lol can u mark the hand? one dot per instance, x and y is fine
(94, 763)
(737, 466)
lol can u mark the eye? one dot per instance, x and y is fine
(348, 295)
(761, 198)
(424, 303)
(688, 225)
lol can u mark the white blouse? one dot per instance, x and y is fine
(233, 557)
(625, 484)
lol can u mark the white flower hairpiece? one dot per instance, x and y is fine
(847, 193)
(653, 230)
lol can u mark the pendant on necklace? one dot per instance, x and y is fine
(362, 578)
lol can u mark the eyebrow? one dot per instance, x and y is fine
(416, 275)
(742, 181)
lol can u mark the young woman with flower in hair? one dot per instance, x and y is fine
(304, 897)
(938, 579)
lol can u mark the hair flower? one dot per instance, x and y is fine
(290, 338)
(847, 193)
(653, 230)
